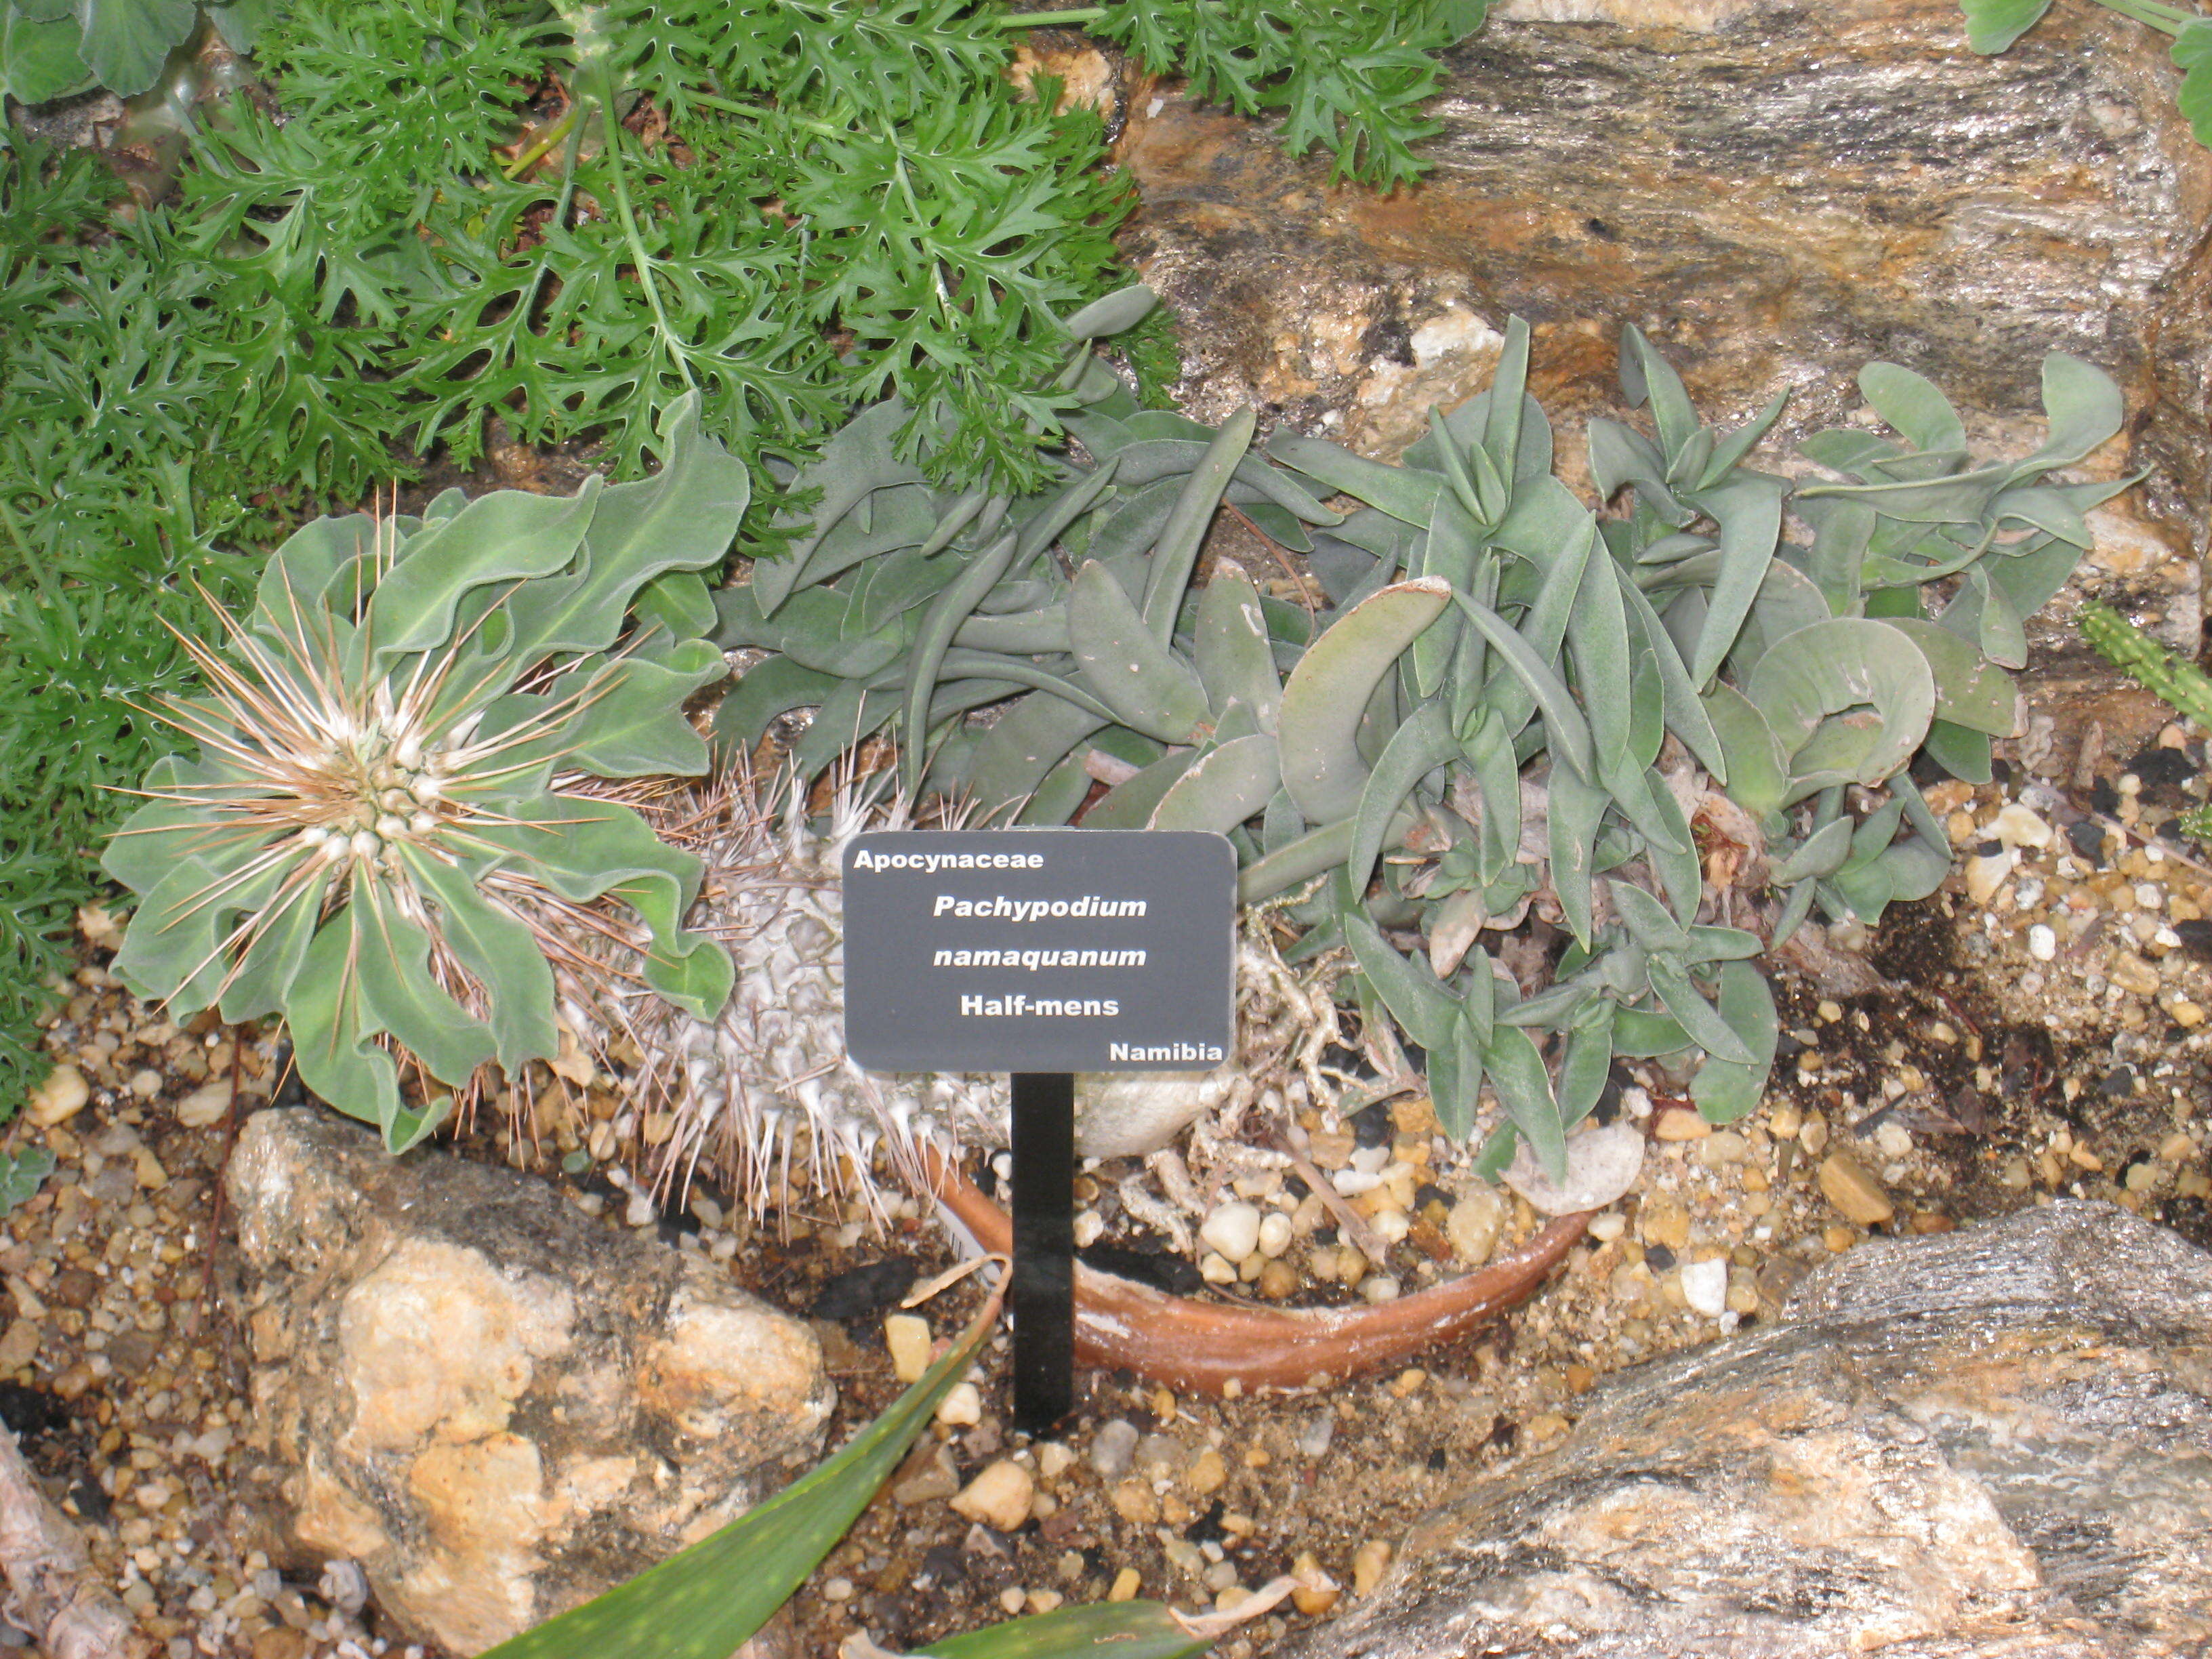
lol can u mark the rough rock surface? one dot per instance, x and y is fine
(1775, 193)
(498, 1407)
(1995, 1442)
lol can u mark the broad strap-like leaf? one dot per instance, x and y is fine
(1578, 809)
(1749, 513)
(1129, 804)
(861, 459)
(1407, 496)
(1127, 667)
(262, 979)
(1568, 733)
(333, 1039)
(631, 724)
(1705, 1026)
(1914, 405)
(932, 640)
(1517, 1073)
(404, 1000)
(1833, 668)
(1223, 787)
(1423, 742)
(584, 848)
(2085, 409)
(1329, 691)
(1175, 555)
(1597, 646)
(1685, 714)
(1409, 990)
(708, 1601)
(1124, 308)
(1022, 746)
(1236, 663)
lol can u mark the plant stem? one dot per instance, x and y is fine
(2169, 20)
(1030, 20)
(544, 146)
(601, 79)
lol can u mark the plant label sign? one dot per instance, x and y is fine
(1039, 950)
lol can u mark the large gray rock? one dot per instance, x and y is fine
(1775, 192)
(497, 1406)
(1995, 1442)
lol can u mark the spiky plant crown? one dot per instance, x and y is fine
(400, 809)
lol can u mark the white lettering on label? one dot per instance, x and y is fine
(930, 863)
(1034, 960)
(1019, 1006)
(1003, 909)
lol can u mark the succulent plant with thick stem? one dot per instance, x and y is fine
(403, 802)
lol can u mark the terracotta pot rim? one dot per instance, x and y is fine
(1229, 1350)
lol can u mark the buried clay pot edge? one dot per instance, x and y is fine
(1227, 1350)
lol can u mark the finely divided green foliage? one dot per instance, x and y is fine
(384, 811)
(799, 173)
(1477, 723)
(1350, 78)
(1992, 26)
(110, 510)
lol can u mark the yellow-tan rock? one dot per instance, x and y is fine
(494, 1404)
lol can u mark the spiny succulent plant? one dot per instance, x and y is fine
(403, 789)
(761, 1093)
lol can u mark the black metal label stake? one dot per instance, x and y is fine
(1044, 1208)
(1041, 953)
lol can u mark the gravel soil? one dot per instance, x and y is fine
(2037, 1028)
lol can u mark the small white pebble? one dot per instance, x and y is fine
(962, 1407)
(2042, 942)
(1704, 1287)
(1233, 1229)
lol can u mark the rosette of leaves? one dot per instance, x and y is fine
(1900, 617)
(393, 793)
